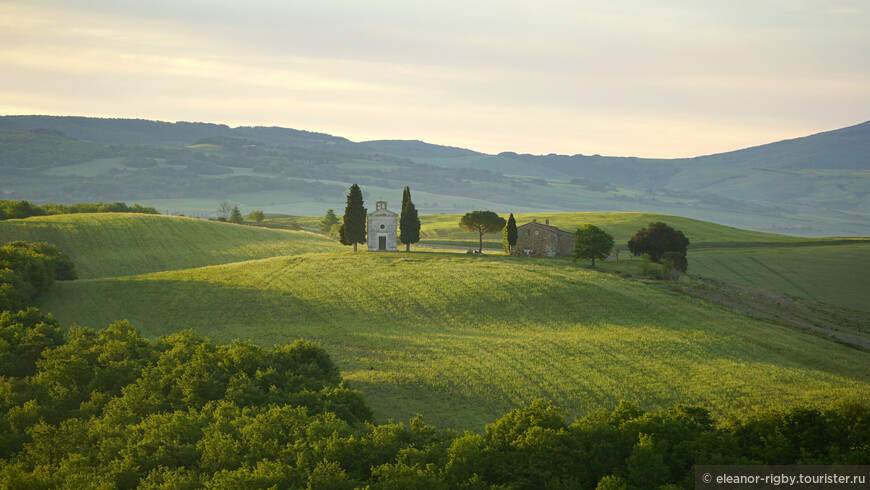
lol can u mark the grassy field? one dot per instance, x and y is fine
(460, 339)
(109, 245)
(835, 274)
(830, 270)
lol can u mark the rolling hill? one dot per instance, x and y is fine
(459, 338)
(829, 270)
(462, 338)
(109, 245)
(815, 185)
(444, 228)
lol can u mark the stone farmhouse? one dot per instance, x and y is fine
(546, 240)
(543, 239)
(382, 227)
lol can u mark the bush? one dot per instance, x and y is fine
(645, 265)
(257, 216)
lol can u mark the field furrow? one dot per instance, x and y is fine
(451, 337)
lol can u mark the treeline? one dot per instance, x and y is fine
(112, 409)
(26, 209)
(27, 269)
(36, 152)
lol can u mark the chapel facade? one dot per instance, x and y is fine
(382, 229)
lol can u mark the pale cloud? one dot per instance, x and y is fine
(633, 78)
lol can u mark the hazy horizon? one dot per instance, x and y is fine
(446, 144)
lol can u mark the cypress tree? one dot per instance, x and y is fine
(353, 230)
(510, 234)
(409, 221)
(236, 215)
(328, 221)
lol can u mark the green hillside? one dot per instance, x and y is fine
(829, 270)
(812, 186)
(444, 229)
(462, 338)
(835, 274)
(109, 245)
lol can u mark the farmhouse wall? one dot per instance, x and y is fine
(544, 240)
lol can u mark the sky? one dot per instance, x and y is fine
(675, 78)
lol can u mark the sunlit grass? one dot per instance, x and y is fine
(109, 244)
(444, 228)
(835, 274)
(462, 338)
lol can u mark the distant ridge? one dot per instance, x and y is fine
(845, 148)
(161, 133)
(812, 185)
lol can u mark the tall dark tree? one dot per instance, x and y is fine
(656, 239)
(482, 222)
(409, 221)
(353, 231)
(236, 215)
(328, 221)
(509, 238)
(591, 242)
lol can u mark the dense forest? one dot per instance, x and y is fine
(93, 408)
(27, 269)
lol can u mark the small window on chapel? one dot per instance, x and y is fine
(383, 226)
(537, 232)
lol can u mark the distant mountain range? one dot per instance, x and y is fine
(817, 184)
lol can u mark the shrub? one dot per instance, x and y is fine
(645, 266)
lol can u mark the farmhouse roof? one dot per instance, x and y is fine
(545, 226)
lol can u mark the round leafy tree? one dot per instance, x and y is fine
(676, 259)
(482, 222)
(657, 239)
(591, 242)
(257, 215)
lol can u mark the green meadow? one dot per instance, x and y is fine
(108, 245)
(831, 270)
(831, 273)
(458, 338)
(444, 229)
(461, 339)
